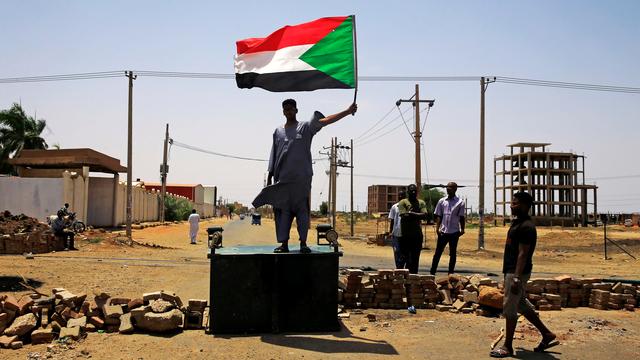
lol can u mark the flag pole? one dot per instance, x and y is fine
(355, 57)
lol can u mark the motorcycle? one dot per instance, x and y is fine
(72, 222)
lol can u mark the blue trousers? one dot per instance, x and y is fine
(398, 256)
(284, 218)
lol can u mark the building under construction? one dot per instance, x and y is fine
(556, 180)
(382, 197)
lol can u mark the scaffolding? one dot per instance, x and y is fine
(556, 180)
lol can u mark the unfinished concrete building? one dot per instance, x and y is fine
(556, 180)
(382, 197)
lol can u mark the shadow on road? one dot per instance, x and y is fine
(345, 342)
(13, 283)
(525, 354)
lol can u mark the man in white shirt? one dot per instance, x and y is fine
(194, 220)
(396, 233)
(449, 212)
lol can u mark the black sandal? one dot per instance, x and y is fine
(304, 249)
(545, 344)
(281, 249)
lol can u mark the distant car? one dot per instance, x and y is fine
(241, 216)
(628, 223)
(256, 219)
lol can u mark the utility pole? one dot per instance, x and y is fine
(484, 82)
(335, 182)
(131, 77)
(351, 166)
(415, 100)
(164, 169)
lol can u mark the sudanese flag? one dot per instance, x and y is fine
(316, 55)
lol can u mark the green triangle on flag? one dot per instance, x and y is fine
(333, 54)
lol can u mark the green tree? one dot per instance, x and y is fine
(231, 207)
(324, 208)
(18, 131)
(176, 208)
(431, 197)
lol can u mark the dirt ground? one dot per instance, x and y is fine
(166, 260)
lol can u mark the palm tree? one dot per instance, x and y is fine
(18, 131)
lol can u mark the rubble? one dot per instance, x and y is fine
(397, 289)
(39, 319)
(21, 234)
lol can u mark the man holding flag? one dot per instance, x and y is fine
(316, 55)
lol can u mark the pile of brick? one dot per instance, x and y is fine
(389, 288)
(38, 319)
(22, 234)
(397, 289)
(605, 296)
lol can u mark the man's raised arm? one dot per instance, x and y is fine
(335, 117)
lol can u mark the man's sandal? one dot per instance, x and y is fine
(304, 249)
(545, 344)
(501, 352)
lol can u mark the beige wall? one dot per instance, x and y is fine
(92, 199)
(35, 197)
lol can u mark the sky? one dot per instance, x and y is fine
(573, 41)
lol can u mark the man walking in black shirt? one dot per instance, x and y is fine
(517, 266)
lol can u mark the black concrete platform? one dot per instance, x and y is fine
(253, 290)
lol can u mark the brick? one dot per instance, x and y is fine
(25, 305)
(563, 279)
(11, 303)
(55, 326)
(197, 304)
(112, 311)
(617, 288)
(126, 327)
(42, 336)
(71, 332)
(80, 322)
(90, 328)
(96, 321)
(444, 307)
(135, 303)
(118, 301)
(5, 341)
(16, 345)
(459, 304)
(470, 296)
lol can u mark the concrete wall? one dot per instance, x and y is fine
(100, 208)
(35, 197)
(92, 199)
(209, 194)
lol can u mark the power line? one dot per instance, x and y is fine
(374, 78)
(368, 137)
(374, 125)
(211, 152)
(63, 77)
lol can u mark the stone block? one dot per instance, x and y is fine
(490, 296)
(22, 325)
(70, 332)
(80, 322)
(470, 296)
(11, 303)
(118, 301)
(161, 306)
(16, 345)
(200, 305)
(112, 311)
(443, 308)
(42, 336)
(6, 340)
(126, 327)
(163, 322)
(135, 303)
(25, 305)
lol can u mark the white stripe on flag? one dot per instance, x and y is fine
(282, 60)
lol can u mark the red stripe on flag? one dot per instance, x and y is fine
(291, 35)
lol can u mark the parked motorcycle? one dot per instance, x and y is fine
(72, 222)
